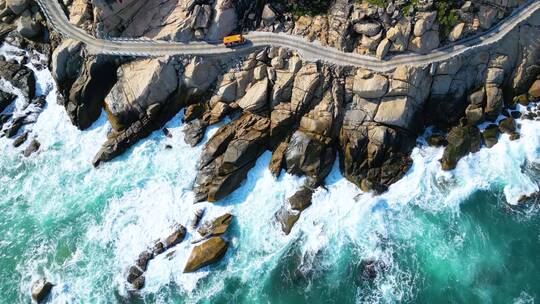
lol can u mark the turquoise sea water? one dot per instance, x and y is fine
(437, 237)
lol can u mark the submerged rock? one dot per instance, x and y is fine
(206, 253)
(41, 290)
(20, 140)
(32, 147)
(369, 269)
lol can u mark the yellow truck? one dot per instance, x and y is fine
(234, 40)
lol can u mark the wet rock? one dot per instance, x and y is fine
(192, 112)
(508, 126)
(522, 99)
(66, 61)
(515, 136)
(20, 140)
(159, 248)
(20, 76)
(278, 158)
(32, 147)
(474, 114)
(119, 142)
(138, 283)
(199, 213)
(206, 253)
(516, 114)
(167, 133)
(15, 126)
(437, 141)
(494, 102)
(374, 157)
(301, 199)
(5, 100)
(462, 140)
(176, 237)
(134, 273)
(229, 155)
(491, 135)
(216, 227)
(306, 155)
(528, 199)
(287, 217)
(369, 269)
(290, 212)
(194, 132)
(41, 289)
(143, 259)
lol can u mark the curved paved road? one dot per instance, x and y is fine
(308, 50)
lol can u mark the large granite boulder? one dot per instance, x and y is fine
(206, 253)
(141, 84)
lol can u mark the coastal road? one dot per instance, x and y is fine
(308, 50)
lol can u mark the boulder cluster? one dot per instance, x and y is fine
(210, 249)
(388, 27)
(135, 274)
(12, 124)
(22, 16)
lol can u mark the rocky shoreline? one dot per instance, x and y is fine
(308, 114)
